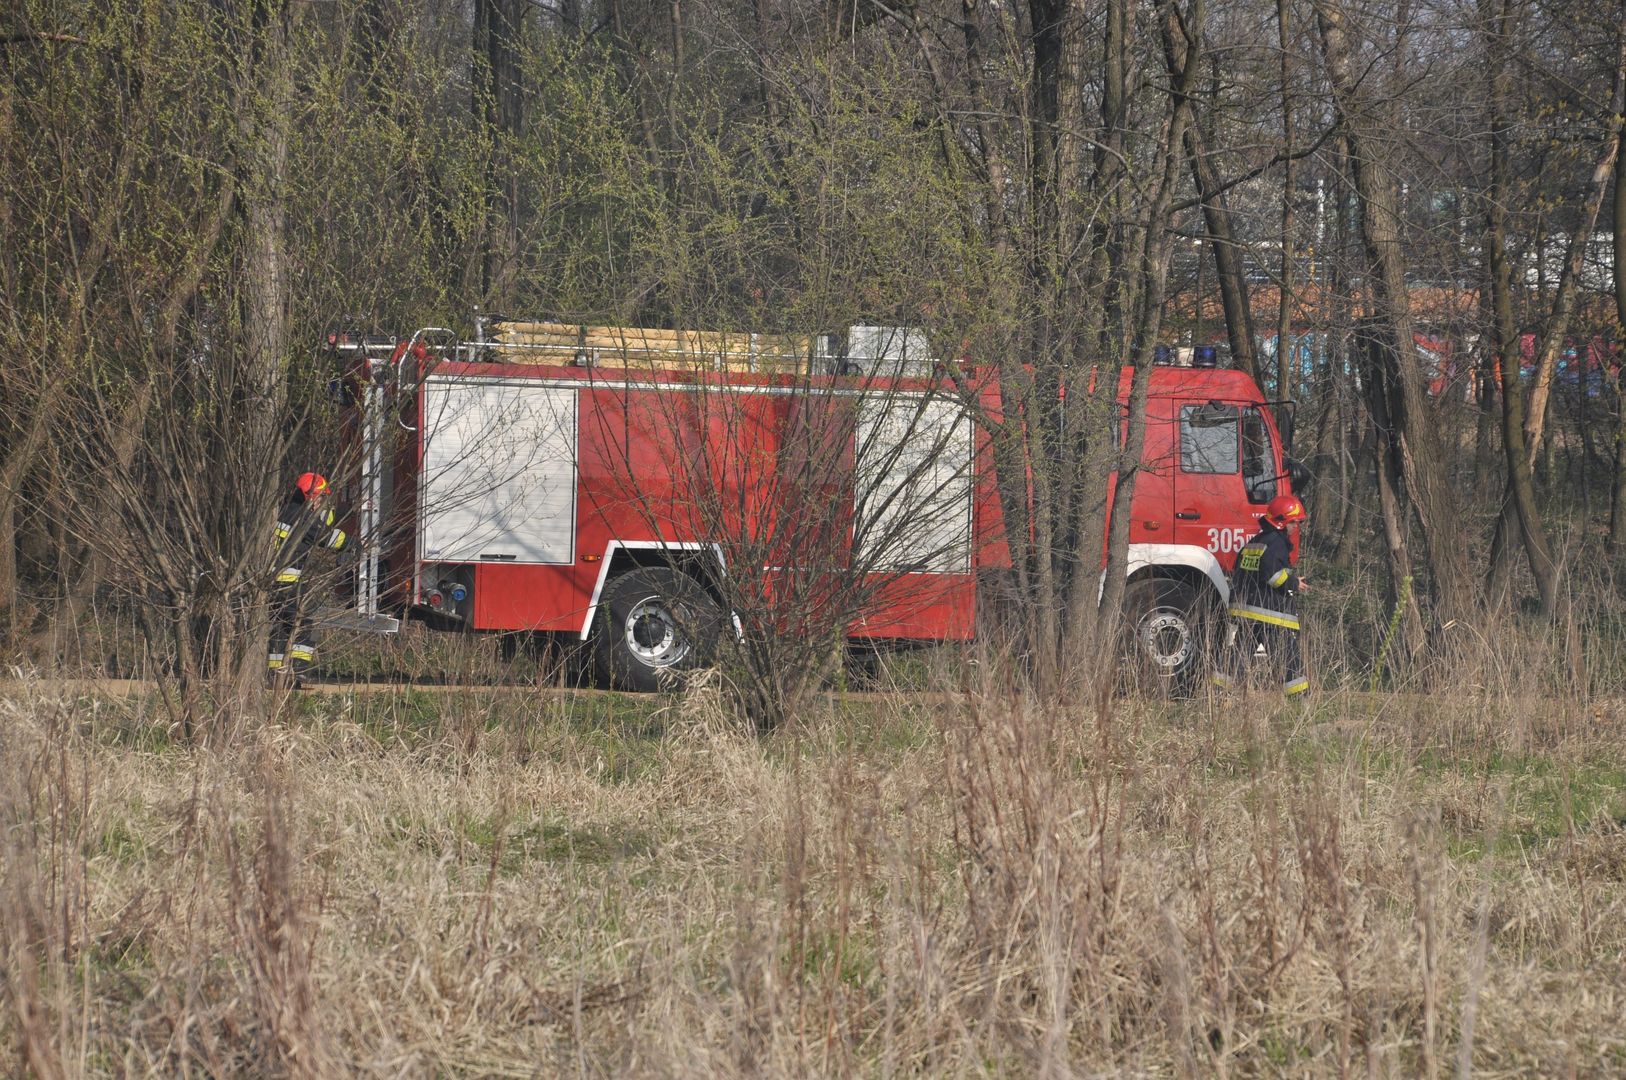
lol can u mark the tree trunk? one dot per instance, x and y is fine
(266, 129)
(1099, 347)
(1156, 242)
(1486, 411)
(1108, 280)
(1563, 307)
(1392, 511)
(1389, 469)
(1355, 435)
(8, 564)
(1617, 504)
(257, 395)
(1423, 464)
(1228, 269)
(1351, 490)
(1521, 495)
(1284, 306)
(502, 111)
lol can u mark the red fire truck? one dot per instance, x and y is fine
(605, 483)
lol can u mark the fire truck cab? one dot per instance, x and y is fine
(596, 482)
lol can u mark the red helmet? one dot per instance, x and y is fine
(1285, 509)
(312, 484)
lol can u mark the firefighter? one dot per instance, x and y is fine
(306, 521)
(1264, 600)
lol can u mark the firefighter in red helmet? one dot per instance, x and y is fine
(1264, 600)
(305, 522)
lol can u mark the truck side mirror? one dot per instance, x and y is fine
(1285, 424)
(1299, 473)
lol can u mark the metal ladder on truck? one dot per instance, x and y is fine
(382, 373)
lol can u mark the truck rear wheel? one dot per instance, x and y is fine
(653, 624)
(1167, 625)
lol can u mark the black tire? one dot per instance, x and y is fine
(1169, 628)
(653, 625)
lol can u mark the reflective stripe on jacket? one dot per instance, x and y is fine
(1265, 615)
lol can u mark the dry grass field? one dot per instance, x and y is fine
(512, 884)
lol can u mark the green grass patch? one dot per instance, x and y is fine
(866, 726)
(519, 845)
(138, 723)
(410, 718)
(1284, 1051)
(825, 954)
(123, 840)
(1545, 801)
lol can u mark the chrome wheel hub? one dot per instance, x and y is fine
(652, 634)
(1166, 638)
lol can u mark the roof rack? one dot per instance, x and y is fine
(645, 347)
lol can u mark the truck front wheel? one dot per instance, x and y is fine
(653, 624)
(1167, 625)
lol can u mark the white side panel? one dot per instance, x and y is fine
(912, 508)
(499, 471)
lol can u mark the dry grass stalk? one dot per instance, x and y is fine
(925, 886)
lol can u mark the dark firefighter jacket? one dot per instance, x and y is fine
(299, 529)
(1263, 585)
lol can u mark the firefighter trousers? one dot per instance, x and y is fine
(293, 646)
(1281, 645)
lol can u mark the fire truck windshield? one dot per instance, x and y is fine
(1208, 438)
